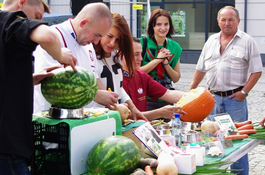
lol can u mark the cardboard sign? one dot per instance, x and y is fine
(226, 124)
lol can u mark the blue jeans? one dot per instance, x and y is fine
(238, 111)
(13, 165)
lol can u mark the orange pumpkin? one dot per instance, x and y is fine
(198, 103)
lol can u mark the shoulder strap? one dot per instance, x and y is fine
(144, 46)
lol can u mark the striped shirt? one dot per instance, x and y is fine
(230, 70)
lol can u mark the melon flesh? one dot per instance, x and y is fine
(190, 96)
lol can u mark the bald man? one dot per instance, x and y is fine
(91, 23)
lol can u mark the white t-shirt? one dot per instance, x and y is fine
(111, 75)
(85, 55)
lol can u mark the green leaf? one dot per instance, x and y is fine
(213, 169)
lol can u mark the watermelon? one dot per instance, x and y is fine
(68, 89)
(114, 155)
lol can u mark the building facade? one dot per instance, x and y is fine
(194, 20)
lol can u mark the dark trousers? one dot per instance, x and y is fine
(13, 165)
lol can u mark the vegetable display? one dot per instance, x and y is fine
(260, 134)
(69, 89)
(234, 137)
(238, 125)
(197, 103)
(117, 155)
(244, 127)
(249, 131)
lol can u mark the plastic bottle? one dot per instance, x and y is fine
(193, 140)
(177, 130)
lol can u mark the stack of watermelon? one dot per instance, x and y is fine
(69, 89)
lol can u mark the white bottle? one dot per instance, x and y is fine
(177, 130)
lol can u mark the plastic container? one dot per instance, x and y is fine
(55, 160)
(177, 130)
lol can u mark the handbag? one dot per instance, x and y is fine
(166, 82)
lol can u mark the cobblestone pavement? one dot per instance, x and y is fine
(256, 107)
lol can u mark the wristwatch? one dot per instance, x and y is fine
(244, 93)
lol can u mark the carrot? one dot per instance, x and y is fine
(234, 137)
(247, 126)
(248, 131)
(237, 125)
(149, 170)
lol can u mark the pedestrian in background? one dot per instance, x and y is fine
(227, 59)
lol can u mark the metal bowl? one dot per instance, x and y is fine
(164, 132)
(162, 127)
(58, 113)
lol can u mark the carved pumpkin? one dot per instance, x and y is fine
(198, 103)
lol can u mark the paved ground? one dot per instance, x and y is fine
(256, 106)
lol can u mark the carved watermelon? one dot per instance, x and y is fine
(69, 89)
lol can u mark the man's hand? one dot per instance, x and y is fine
(46, 72)
(68, 59)
(238, 96)
(262, 122)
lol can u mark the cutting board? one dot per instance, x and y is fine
(84, 137)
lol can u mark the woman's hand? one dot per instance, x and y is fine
(164, 53)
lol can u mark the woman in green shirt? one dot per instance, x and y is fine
(160, 53)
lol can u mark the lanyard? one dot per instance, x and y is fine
(164, 45)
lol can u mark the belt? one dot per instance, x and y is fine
(226, 93)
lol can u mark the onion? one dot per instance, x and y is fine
(123, 110)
